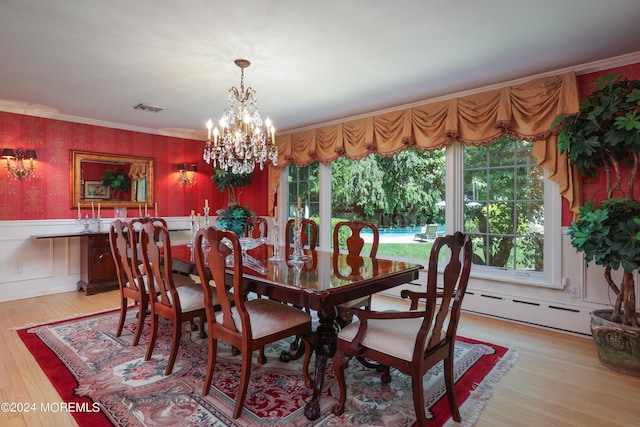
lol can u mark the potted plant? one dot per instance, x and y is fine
(234, 216)
(604, 137)
(117, 180)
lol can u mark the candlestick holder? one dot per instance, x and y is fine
(96, 224)
(83, 222)
(276, 245)
(192, 229)
(205, 242)
(298, 255)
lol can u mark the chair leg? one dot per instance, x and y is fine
(177, 329)
(451, 389)
(142, 315)
(123, 314)
(340, 361)
(386, 374)
(203, 334)
(245, 373)
(262, 359)
(152, 337)
(418, 399)
(211, 364)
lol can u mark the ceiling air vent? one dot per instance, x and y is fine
(149, 108)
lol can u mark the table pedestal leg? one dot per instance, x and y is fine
(325, 342)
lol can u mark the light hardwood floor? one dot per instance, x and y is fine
(557, 380)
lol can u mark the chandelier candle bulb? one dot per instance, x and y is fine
(299, 203)
(206, 203)
(155, 209)
(79, 210)
(209, 126)
(98, 210)
(93, 212)
(140, 211)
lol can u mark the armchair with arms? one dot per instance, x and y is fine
(413, 341)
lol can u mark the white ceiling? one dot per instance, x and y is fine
(312, 62)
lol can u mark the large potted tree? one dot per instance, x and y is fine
(234, 216)
(604, 137)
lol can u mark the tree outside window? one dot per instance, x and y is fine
(504, 205)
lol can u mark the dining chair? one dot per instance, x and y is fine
(413, 341)
(246, 325)
(176, 303)
(308, 235)
(256, 227)
(348, 234)
(131, 282)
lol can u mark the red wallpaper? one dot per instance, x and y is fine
(47, 196)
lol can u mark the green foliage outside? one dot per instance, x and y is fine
(394, 191)
(504, 204)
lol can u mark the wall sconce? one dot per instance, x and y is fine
(187, 177)
(19, 169)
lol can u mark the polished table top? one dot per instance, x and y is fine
(325, 278)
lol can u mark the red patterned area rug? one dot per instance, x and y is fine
(108, 382)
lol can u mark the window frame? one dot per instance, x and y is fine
(454, 220)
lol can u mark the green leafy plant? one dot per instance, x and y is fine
(230, 182)
(234, 216)
(604, 136)
(117, 180)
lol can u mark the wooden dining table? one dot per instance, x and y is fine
(322, 282)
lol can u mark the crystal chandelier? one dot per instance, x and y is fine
(242, 142)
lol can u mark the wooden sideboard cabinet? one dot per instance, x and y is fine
(97, 269)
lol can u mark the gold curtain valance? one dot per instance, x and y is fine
(525, 111)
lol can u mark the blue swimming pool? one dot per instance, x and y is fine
(401, 232)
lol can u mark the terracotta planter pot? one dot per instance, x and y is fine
(618, 345)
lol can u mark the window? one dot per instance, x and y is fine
(303, 183)
(496, 193)
(504, 205)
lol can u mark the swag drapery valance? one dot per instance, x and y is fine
(524, 110)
